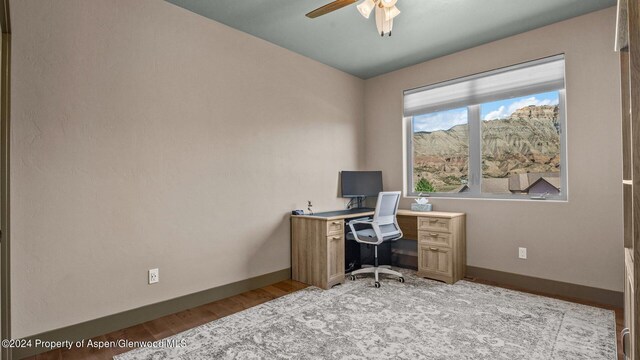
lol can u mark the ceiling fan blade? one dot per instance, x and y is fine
(338, 4)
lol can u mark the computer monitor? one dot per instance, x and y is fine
(359, 184)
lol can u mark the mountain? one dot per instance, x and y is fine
(528, 141)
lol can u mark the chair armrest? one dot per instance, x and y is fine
(367, 222)
(374, 225)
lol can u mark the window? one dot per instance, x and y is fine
(441, 151)
(492, 135)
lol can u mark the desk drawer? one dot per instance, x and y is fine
(436, 261)
(434, 238)
(335, 227)
(335, 255)
(434, 224)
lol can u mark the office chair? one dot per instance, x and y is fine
(383, 227)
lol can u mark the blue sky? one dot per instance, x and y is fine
(445, 120)
(504, 108)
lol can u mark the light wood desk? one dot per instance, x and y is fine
(317, 245)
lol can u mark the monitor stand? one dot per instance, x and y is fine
(360, 202)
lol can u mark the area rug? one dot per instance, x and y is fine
(418, 319)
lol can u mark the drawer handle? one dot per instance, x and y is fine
(337, 237)
(433, 235)
(433, 220)
(433, 249)
(336, 223)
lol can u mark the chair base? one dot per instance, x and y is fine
(376, 271)
(380, 266)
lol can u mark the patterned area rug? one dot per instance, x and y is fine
(420, 319)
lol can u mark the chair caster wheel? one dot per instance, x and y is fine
(401, 279)
(352, 277)
(377, 284)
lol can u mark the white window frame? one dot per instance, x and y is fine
(475, 158)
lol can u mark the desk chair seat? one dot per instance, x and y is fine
(383, 227)
(369, 236)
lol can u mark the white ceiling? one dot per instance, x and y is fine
(425, 29)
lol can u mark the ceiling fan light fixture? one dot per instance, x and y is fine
(388, 3)
(392, 13)
(383, 25)
(366, 7)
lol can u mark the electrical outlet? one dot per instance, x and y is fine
(522, 253)
(154, 276)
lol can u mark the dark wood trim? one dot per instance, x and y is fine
(5, 20)
(112, 323)
(549, 287)
(5, 265)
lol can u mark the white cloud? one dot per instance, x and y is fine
(440, 121)
(503, 112)
(497, 114)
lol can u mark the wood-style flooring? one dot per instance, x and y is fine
(176, 323)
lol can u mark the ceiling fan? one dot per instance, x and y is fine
(386, 11)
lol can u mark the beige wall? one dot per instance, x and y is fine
(146, 136)
(579, 241)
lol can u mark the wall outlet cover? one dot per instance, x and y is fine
(154, 276)
(522, 253)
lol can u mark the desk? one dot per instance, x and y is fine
(317, 245)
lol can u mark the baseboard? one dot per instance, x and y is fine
(107, 324)
(551, 287)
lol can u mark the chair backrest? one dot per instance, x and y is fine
(386, 210)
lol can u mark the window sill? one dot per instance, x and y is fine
(489, 198)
